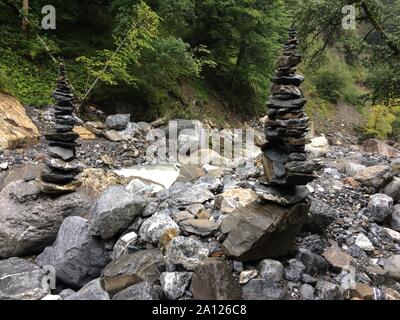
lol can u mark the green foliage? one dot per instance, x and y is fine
(140, 24)
(381, 119)
(28, 83)
(375, 45)
(334, 81)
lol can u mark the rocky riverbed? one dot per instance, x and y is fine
(181, 232)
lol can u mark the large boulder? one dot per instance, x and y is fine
(76, 256)
(16, 128)
(186, 252)
(376, 176)
(321, 215)
(118, 121)
(24, 172)
(380, 207)
(395, 220)
(30, 220)
(21, 280)
(392, 267)
(213, 280)
(92, 291)
(131, 269)
(380, 147)
(114, 211)
(260, 231)
(393, 189)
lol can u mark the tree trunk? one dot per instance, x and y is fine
(25, 12)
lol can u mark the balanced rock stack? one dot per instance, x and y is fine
(62, 167)
(285, 159)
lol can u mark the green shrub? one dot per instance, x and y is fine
(382, 119)
(335, 81)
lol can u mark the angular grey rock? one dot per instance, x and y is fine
(260, 231)
(328, 291)
(209, 183)
(376, 177)
(156, 226)
(118, 121)
(364, 243)
(313, 263)
(122, 246)
(315, 243)
(150, 209)
(143, 291)
(175, 284)
(131, 269)
(213, 280)
(114, 211)
(21, 280)
(282, 196)
(392, 267)
(144, 126)
(352, 168)
(294, 271)
(395, 221)
(127, 134)
(61, 153)
(92, 291)
(238, 266)
(379, 208)
(29, 219)
(182, 216)
(320, 216)
(271, 270)
(393, 189)
(260, 289)
(184, 194)
(186, 252)
(76, 256)
(307, 292)
(66, 293)
(199, 227)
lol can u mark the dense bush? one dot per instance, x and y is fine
(335, 81)
(382, 119)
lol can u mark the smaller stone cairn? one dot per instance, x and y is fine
(62, 167)
(285, 159)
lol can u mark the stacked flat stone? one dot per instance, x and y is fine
(285, 158)
(62, 167)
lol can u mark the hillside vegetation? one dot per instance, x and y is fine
(191, 58)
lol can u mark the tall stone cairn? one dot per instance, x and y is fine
(285, 159)
(62, 167)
